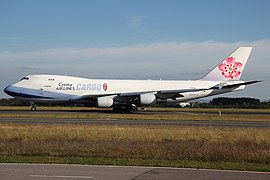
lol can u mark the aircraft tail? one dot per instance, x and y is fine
(230, 68)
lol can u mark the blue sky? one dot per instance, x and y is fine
(132, 39)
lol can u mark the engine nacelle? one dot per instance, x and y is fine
(104, 102)
(148, 98)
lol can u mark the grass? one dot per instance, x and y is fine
(197, 147)
(173, 146)
(159, 114)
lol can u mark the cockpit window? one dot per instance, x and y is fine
(25, 78)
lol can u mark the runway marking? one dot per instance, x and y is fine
(59, 176)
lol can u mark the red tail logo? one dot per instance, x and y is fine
(230, 68)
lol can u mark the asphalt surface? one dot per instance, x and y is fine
(138, 112)
(58, 172)
(126, 122)
(115, 122)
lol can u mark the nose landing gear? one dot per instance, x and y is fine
(33, 106)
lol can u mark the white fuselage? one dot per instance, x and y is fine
(56, 88)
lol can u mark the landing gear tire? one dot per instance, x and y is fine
(33, 107)
(117, 109)
(131, 108)
(125, 108)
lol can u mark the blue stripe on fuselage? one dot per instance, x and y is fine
(27, 93)
(28, 96)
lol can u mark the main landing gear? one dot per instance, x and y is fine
(126, 108)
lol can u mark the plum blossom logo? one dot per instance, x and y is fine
(230, 68)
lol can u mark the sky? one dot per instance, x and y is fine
(127, 39)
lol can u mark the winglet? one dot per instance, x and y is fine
(230, 68)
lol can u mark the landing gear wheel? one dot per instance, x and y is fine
(33, 107)
(131, 107)
(125, 108)
(117, 109)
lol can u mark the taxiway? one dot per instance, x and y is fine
(64, 171)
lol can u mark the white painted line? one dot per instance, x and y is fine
(59, 176)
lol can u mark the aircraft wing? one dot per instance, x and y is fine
(129, 96)
(164, 94)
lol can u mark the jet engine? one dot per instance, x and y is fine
(105, 101)
(148, 98)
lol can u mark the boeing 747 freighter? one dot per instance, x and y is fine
(126, 95)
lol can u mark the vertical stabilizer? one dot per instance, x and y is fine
(231, 68)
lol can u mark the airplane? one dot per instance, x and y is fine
(127, 95)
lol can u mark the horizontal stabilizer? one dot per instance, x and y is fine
(239, 84)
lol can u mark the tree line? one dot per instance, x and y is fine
(227, 102)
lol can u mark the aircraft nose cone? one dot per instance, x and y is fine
(8, 90)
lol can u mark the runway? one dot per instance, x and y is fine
(127, 122)
(57, 171)
(100, 111)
